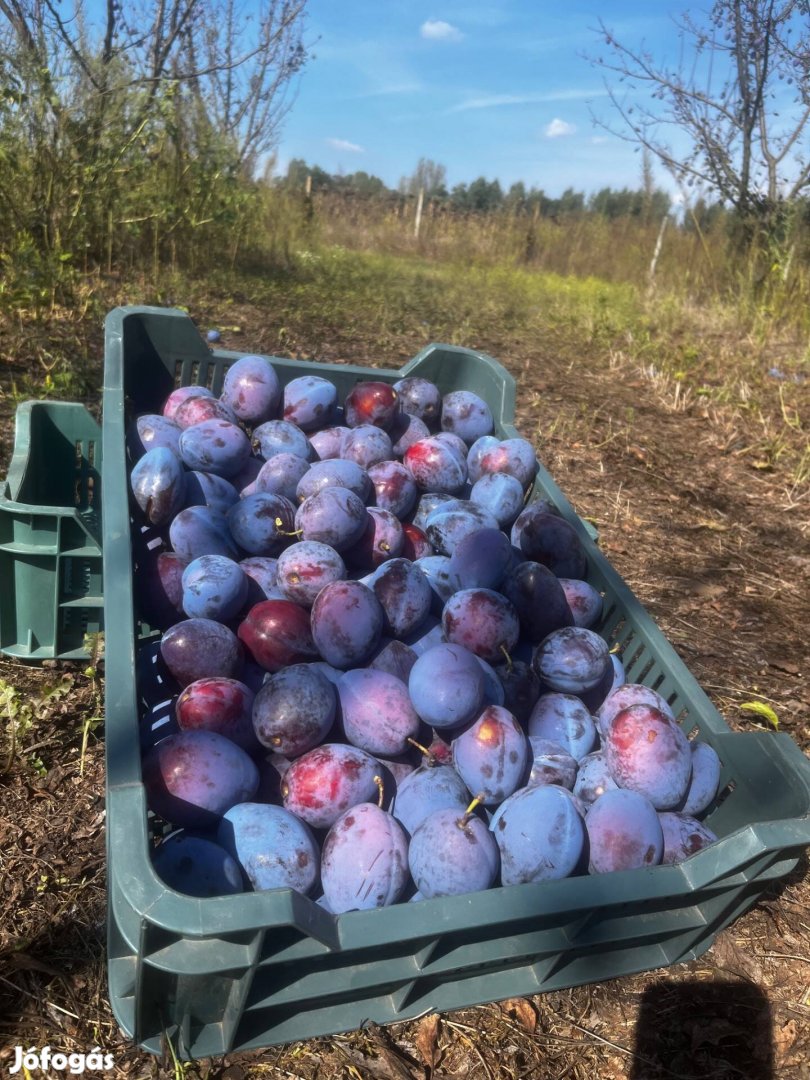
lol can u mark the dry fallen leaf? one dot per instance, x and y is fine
(521, 1010)
(427, 1040)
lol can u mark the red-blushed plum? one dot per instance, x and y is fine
(221, 705)
(584, 601)
(705, 780)
(196, 866)
(191, 778)
(274, 848)
(483, 621)
(347, 621)
(371, 402)
(452, 853)
(467, 415)
(376, 712)
(325, 782)
(334, 516)
(281, 437)
(629, 694)
(550, 764)
(481, 559)
(428, 789)
(181, 394)
(491, 756)
(404, 594)
(201, 408)
(446, 686)
(683, 836)
(281, 475)
(294, 710)
(199, 531)
(309, 402)
(394, 487)
(420, 397)
(521, 688)
(158, 483)
(199, 649)
(538, 598)
(476, 452)
(251, 388)
(647, 752)
(563, 719)
(415, 544)
(277, 633)
(435, 467)
(624, 832)
(262, 523)
(214, 587)
(365, 860)
(513, 457)
(572, 661)
(593, 778)
(305, 568)
(540, 835)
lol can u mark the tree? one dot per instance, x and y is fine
(738, 99)
(428, 176)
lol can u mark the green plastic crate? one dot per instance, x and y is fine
(51, 592)
(264, 968)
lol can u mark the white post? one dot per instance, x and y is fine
(658, 244)
(418, 220)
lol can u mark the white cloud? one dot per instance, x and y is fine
(439, 30)
(558, 128)
(344, 144)
(491, 101)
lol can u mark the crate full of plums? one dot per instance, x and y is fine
(386, 733)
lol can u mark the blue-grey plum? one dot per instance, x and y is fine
(427, 789)
(540, 835)
(252, 389)
(624, 832)
(309, 402)
(196, 866)
(274, 848)
(158, 482)
(683, 836)
(563, 719)
(452, 853)
(647, 752)
(376, 712)
(491, 756)
(446, 685)
(365, 860)
(347, 622)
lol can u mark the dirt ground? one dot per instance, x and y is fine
(717, 549)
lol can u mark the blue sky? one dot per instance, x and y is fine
(497, 89)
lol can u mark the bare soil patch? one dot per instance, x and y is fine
(717, 550)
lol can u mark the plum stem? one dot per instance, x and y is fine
(509, 664)
(283, 532)
(469, 811)
(617, 648)
(431, 757)
(378, 780)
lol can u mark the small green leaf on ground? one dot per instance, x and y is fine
(763, 710)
